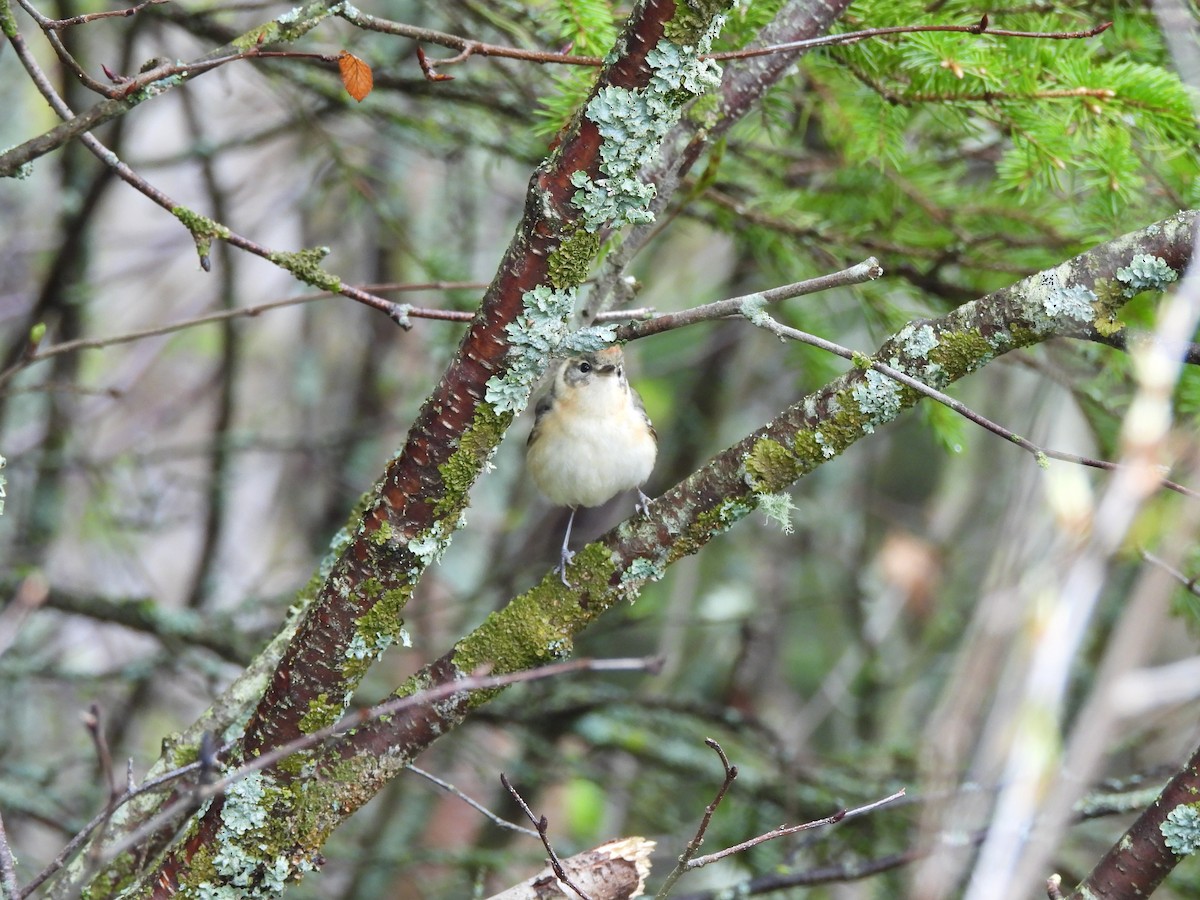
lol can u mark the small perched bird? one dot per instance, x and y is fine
(591, 438)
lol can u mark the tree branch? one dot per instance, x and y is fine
(546, 619)
(357, 611)
(1137, 864)
(867, 270)
(693, 846)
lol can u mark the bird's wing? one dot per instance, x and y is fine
(641, 407)
(543, 406)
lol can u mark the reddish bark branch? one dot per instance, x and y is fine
(413, 500)
(1137, 864)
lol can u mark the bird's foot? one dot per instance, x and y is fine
(567, 556)
(642, 504)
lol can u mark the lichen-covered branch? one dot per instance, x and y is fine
(743, 85)
(1161, 837)
(505, 350)
(589, 182)
(541, 624)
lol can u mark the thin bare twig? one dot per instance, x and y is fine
(468, 48)
(120, 100)
(868, 270)
(785, 830)
(693, 846)
(397, 312)
(1191, 584)
(1039, 453)
(107, 14)
(853, 37)
(38, 354)
(93, 722)
(35, 354)
(471, 802)
(623, 315)
(68, 851)
(469, 684)
(543, 827)
(212, 787)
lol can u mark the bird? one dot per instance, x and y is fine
(591, 438)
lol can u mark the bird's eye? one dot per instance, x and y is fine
(585, 367)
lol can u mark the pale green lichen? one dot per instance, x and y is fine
(638, 573)
(935, 376)
(249, 857)
(359, 649)
(1051, 299)
(243, 873)
(1073, 302)
(155, 88)
(917, 340)
(632, 125)
(538, 334)
(587, 340)
(878, 398)
(1146, 273)
(1181, 829)
(429, 546)
(754, 308)
(827, 451)
(698, 21)
(777, 508)
(535, 335)
(677, 71)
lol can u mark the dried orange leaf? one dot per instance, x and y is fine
(356, 75)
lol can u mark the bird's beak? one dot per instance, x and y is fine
(609, 359)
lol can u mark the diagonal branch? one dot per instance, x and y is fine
(543, 622)
(356, 613)
(1161, 837)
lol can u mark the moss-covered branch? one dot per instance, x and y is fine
(590, 181)
(542, 624)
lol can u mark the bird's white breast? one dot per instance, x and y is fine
(591, 447)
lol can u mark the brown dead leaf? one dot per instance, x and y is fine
(356, 75)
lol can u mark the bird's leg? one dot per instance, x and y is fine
(642, 504)
(567, 555)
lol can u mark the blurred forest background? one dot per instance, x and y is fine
(168, 495)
